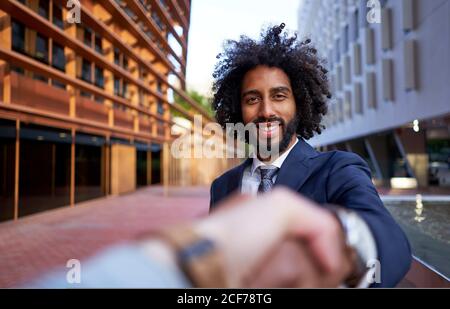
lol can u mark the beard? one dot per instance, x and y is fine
(267, 148)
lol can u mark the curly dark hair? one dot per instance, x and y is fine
(298, 59)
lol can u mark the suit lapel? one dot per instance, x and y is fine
(295, 169)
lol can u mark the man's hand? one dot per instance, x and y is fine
(292, 266)
(279, 240)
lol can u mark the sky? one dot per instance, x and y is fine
(214, 21)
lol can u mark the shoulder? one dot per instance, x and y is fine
(338, 160)
(347, 161)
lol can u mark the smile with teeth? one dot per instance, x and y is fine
(269, 129)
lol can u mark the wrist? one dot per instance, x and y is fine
(198, 257)
(349, 222)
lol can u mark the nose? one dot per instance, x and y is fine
(266, 110)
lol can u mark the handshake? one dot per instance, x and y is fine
(279, 239)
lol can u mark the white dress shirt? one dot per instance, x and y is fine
(252, 176)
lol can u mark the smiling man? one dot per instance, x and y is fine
(275, 122)
(279, 85)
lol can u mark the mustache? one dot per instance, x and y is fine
(271, 119)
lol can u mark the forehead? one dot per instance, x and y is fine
(264, 77)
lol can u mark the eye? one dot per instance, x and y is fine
(252, 100)
(279, 97)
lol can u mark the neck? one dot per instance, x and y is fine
(270, 159)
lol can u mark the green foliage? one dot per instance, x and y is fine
(197, 97)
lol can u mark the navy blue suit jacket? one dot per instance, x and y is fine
(338, 178)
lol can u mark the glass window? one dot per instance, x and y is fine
(116, 56)
(356, 25)
(141, 97)
(40, 77)
(346, 38)
(363, 11)
(99, 79)
(89, 176)
(159, 87)
(18, 70)
(58, 84)
(142, 73)
(156, 167)
(116, 86)
(7, 159)
(141, 168)
(42, 48)
(338, 50)
(157, 20)
(159, 45)
(43, 8)
(44, 174)
(86, 71)
(87, 37)
(160, 107)
(57, 16)
(330, 61)
(98, 44)
(18, 36)
(86, 94)
(438, 149)
(59, 58)
(125, 89)
(125, 62)
(130, 13)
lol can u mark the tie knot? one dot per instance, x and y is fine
(268, 172)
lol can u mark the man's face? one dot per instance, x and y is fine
(268, 101)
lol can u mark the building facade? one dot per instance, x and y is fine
(86, 105)
(389, 64)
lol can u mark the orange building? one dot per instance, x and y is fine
(86, 108)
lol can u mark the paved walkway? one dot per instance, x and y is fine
(37, 243)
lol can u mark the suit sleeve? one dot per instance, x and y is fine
(349, 185)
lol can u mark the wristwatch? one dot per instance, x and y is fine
(358, 238)
(198, 257)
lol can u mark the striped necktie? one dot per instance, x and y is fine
(267, 174)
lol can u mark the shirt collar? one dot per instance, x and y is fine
(277, 163)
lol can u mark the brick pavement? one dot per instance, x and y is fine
(35, 244)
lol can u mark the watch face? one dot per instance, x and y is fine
(196, 249)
